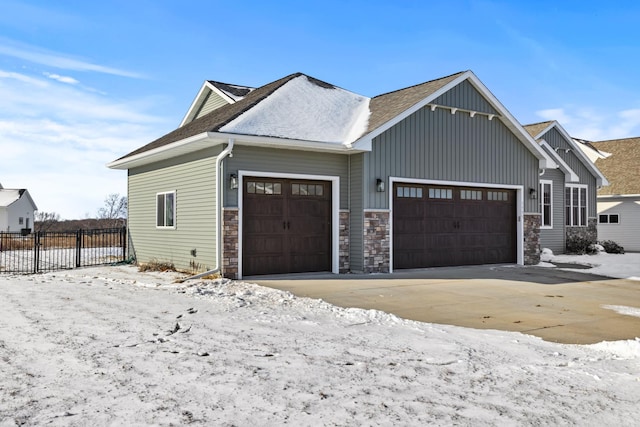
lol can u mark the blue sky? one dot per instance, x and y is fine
(83, 83)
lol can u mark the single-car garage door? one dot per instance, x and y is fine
(436, 226)
(286, 226)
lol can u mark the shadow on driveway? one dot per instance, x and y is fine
(553, 304)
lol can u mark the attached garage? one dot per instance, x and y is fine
(286, 226)
(438, 225)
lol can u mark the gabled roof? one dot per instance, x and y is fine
(539, 130)
(301, 112)
(226, 93)
(9, 196)
(621, 167)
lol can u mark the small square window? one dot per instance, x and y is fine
(614, 219)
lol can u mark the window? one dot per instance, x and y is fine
(20, 220)
(268, 188)
(609, 219)
(307, 189)
(440, 193)
(498, 196)
(166, 210)
(576, 205)
(546, 203)
(413, 192)
(471, 195)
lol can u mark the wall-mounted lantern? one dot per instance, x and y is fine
(379, 185)
(533, 194)
(233, 181)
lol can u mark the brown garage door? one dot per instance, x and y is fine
(437, 226)
(286, 226)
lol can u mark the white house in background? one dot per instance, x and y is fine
(619, 204)
(16, 210)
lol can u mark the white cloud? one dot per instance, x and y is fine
(55, 140)
(62, 79)
(57, 60)
(595, 125)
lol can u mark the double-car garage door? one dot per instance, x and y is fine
(286, 226)
(437, 226)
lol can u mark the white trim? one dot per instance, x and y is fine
(586, 205)
(175, 214)
(335, 210)
(519, 208)
(608, 215)
(569, 174)
(544, 160)
(541, 195)
(601, 180)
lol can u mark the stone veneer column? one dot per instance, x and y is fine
(344, 264)
(230, 243)
(532, 238)
(376, 242)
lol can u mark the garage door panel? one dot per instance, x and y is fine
(459, 226)
(286, 226)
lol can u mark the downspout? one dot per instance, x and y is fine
(219, 188)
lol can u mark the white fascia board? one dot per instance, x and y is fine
(196, 102)
(569, 174)
(184, 146)
(290, 144)
(545, 161)
(601, 180)
(619, 196)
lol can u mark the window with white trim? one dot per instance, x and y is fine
(166, 209)
(609, 219)
(576, 205)
(546, 203)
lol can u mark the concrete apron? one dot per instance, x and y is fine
(555, 305)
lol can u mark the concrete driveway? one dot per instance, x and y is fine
(553, 304)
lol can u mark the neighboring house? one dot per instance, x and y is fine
(619, 204)
(568, 194)
(16, 210)
(301, 176)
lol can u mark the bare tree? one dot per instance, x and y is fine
(114, 210)
(44, 221)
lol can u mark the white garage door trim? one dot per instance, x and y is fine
(519, 207)
(335, 210)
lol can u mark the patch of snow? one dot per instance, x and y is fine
(546, 254)
(622, 266)
(622, 309)
(629, 349)
(301, 109)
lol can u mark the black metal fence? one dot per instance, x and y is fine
(52, 250)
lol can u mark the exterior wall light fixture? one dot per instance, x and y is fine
(379, 185)
(533, 194)
(233, 181)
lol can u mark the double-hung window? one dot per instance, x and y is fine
(546, 203)
(166, 210)
(576, 205)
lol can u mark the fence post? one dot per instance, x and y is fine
(36, 251)
(78, 246)
(123, 242)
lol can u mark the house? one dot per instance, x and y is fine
(299, 175)
(619, 204)
(567, 194)
(16, 210)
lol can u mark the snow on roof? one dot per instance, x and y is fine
(235, 92)
(306, 109)
(8, 196)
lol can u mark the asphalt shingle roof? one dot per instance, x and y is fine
(535, 128)
(621, 168)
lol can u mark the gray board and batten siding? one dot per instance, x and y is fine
(438, 145)
(356, 216)
(554, 238)
(193, 178)
(294, 162)
(556, 140)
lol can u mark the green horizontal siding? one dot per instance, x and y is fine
(193, 177)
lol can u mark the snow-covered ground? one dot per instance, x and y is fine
(113, 346)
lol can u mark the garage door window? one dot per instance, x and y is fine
(498, 196)
(307, 189)
(470, 195)
(254, 187)
(440, 193)
(413, 192)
